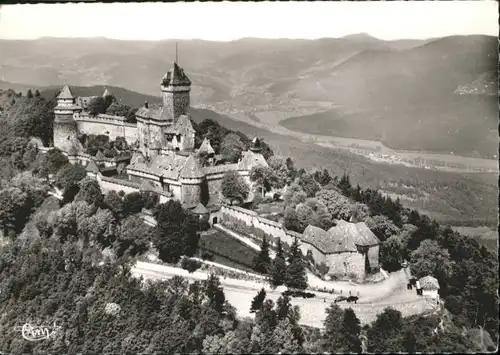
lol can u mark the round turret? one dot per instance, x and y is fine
(65, 126)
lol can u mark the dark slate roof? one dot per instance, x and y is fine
(168, 166)
(340, 241)
(200, 209)
(192, 169)
(146, 112)
(347, 235)
(365, 236)
(318, 237)
(176, 76)
(182, 125)
(206, 147)
(92, 167)
(65, 93)
(251, 159)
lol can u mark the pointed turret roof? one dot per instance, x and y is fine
(65, 93)
(176, 76)
(92, 167)
(206, 147)
(107, 93)
(251, 159)
(191, 169)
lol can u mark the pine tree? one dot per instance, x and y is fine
(29, 95)
(262, 261)
(294, 252)
(278, 267)
(296, 277)
(332, 334)
(37, 93)
(258, 301)
(351, 329)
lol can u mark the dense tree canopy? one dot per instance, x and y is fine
(68, 174)
(337, 204)
(231, 147)
(234, 187)
(294, 195)
(50, 163)
(176, 233)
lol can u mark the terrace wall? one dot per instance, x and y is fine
(270, 229)
(350, 264)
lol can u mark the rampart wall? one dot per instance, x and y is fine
(113, 126)
(350, 264)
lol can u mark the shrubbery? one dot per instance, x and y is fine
(190, 265)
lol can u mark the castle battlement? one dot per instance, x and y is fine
(110, 119)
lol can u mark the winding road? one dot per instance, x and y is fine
(373, 297)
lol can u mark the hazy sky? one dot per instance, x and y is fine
(228, 21)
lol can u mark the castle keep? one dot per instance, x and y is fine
(164, 159)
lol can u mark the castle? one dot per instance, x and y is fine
(165, 161)
(164, 158)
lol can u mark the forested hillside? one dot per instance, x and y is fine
(70, 261)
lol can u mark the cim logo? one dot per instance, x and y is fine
(37, 333)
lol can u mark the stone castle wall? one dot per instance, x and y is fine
(214, 189)
(340, 264)
(115, 128)
(373, 257)
(188, 142)
(176, 103)
(62, 130)
(190, 192)
(348, 263)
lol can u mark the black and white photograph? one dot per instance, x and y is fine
(249, 177)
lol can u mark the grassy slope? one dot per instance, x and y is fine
(228, 251)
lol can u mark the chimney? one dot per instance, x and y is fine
(146, 103)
